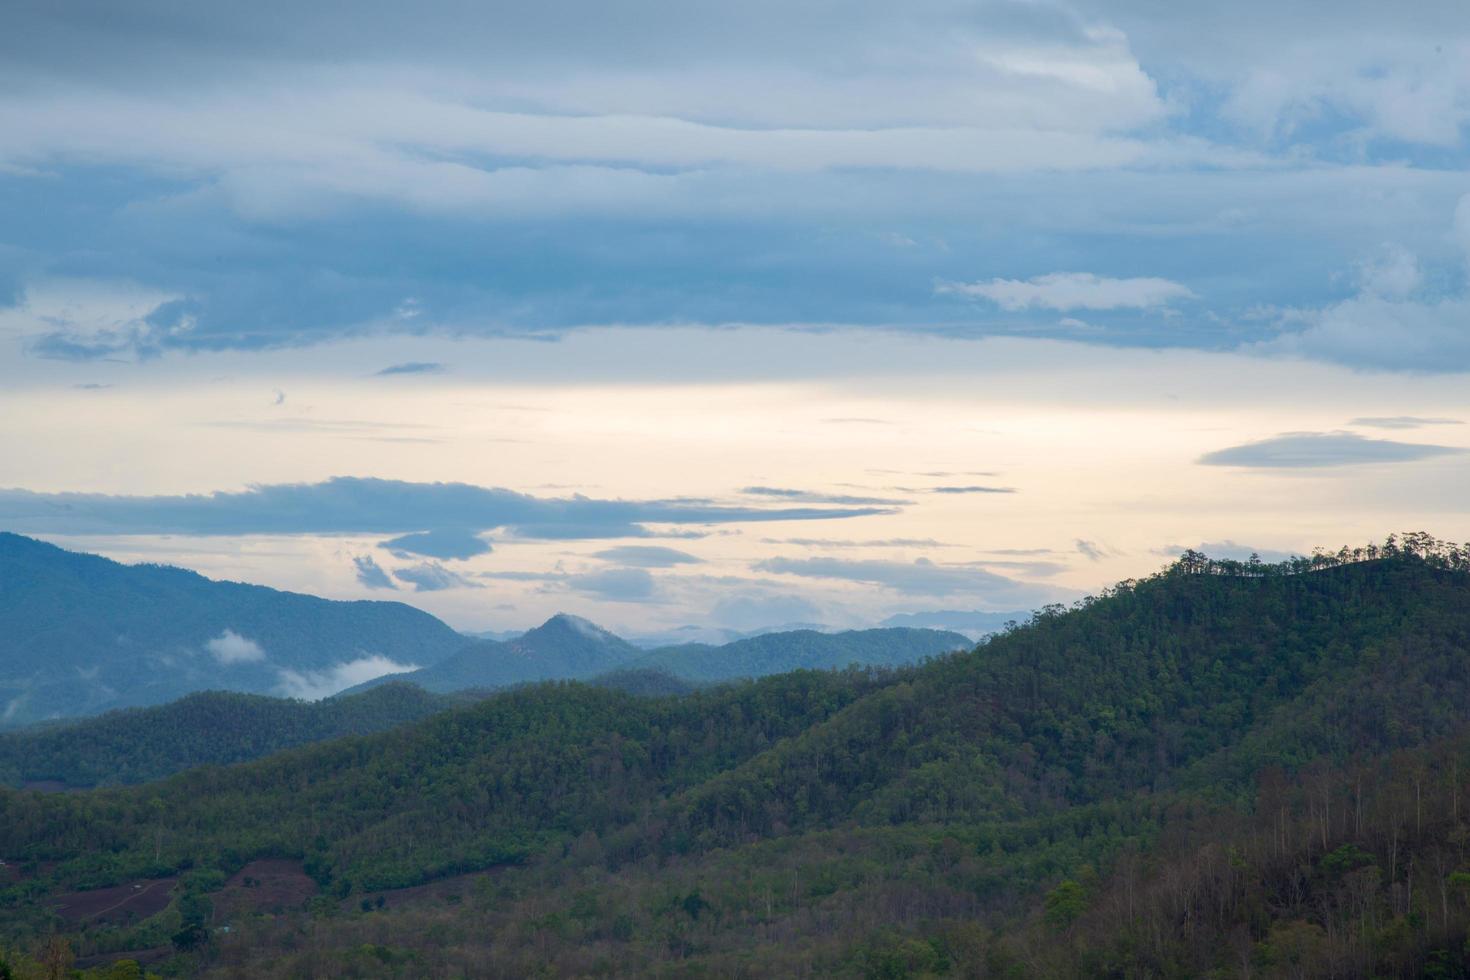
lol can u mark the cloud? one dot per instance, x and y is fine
(1293, 450)
(1065, 291)
(432, 577)
(920, 577)
(279, 397)
(91, 386)
(1383, 333)
(412, 367)
(972, 489)
(1091, 550)
(371, 574)
(1401, 422)
(446, 543)
(647, 556)
(444, 169)
(232, 648)
(313, 685)
(764, 610)
(614, 584)
(814, 497)
(868, 543)
(1395, 321)
(365, 505)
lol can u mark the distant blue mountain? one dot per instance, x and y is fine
(973, 624)
(80, 634)
(777, 653)
(570, 648)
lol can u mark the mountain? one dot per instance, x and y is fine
(1225, 769)
(571, 648)
(776, 653)
(80, 634)
(972, 624)
(562, 648)
(134, 745)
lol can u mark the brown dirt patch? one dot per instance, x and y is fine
(131, 902)
(266, 887)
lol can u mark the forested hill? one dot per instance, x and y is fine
(134, 745)
(886, 823)
(80, 634)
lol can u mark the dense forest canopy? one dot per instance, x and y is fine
(1228, 768)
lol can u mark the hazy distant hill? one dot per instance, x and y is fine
(562, 648)
(570, 648)
(80, 634)
(973, 624)
(776, 653)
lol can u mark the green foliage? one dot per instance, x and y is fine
(136, 745)
(1263, 762)
(1064, 903)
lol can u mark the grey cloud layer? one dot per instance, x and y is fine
(358, 505)
(446, 543)
(1402, 422)
(920, 577)
(370, 574)
(333, 169)
(647, 556)
(1310, 450)
(433, 577)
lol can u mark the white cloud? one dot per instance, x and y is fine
(232, 648)
(1394, 334)
(1411, 92)
(313, 685)
(1392, 275)
(1395, 321)
(1066, 291)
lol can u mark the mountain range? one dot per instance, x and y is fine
(571, 648)
(1226, 769)
(80, 634)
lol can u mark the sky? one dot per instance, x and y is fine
(732, 315)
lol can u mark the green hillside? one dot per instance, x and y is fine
(1190, 773)
(134, 745)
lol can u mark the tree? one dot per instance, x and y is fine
(1064, 903)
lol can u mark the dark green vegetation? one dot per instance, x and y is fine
(134, 745)
(81, 634)
(1228, 769)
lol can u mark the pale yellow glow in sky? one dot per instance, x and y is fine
(1099, 444)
